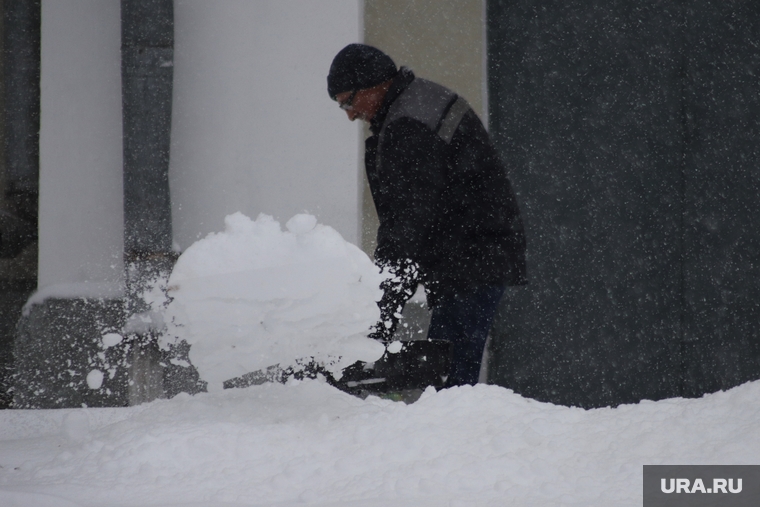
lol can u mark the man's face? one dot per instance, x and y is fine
(361, 104)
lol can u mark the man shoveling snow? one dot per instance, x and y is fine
(448, 216)
(448, 220)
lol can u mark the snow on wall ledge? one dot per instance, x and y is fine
(253, 296)
(78, 290)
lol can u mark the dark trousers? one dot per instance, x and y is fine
(464, 320)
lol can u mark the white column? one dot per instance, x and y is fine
(81, 211)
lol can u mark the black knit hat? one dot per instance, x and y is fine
(358, 66)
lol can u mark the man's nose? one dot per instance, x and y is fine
(351, 114)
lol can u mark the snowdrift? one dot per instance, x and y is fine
(307, 443)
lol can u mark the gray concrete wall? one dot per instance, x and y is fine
(630, 132)
(59, 343)
(19, 125)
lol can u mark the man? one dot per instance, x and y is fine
(448, 216)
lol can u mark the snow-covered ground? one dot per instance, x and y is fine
(253, 294)
(309, 444)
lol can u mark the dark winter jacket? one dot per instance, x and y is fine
(441, 192)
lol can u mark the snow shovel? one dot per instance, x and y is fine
(419, 364)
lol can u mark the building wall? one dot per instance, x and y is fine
(630, 130)
(253, 130)
(253, 127)
(80, 222)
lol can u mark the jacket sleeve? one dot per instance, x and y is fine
(413, 174)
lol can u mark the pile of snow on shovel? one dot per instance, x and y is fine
(242, 298)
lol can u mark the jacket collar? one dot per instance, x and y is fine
(403, 78)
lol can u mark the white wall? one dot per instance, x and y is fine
(253, 127)
(81, 211)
